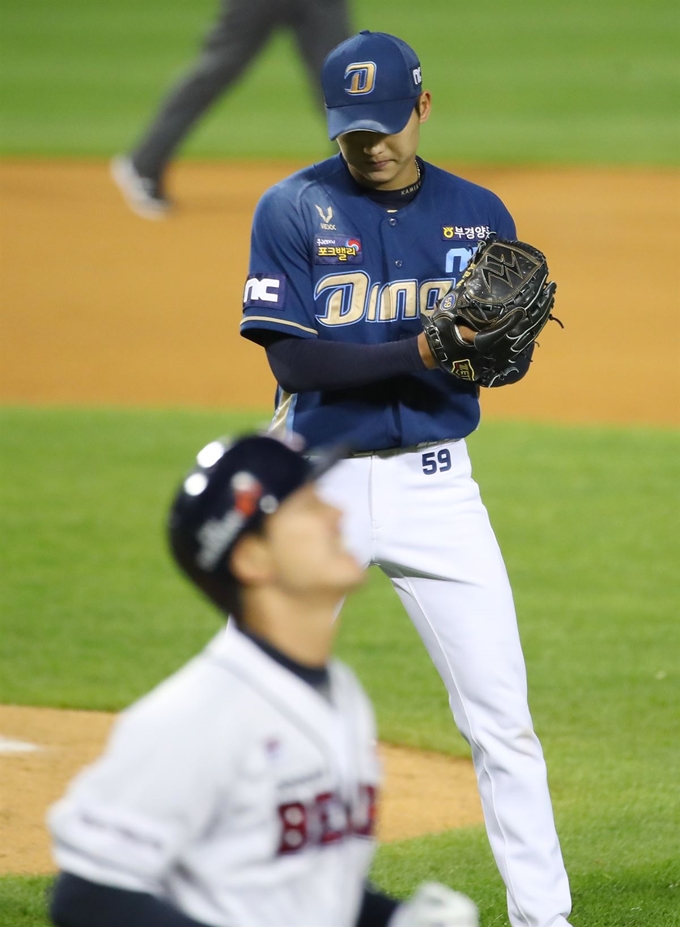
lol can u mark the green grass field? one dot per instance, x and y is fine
(566, 81)
(94, 614)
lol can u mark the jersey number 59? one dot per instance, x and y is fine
(436, 461)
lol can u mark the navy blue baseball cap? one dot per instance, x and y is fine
(370, 82)
(229, 492)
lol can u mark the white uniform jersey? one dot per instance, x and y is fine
(235, 791)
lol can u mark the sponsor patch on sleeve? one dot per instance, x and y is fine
(337, 249)
(465, 232)
(264, 291)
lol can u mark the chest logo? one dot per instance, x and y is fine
(326, 819)
(325, 218)
(465, 232)
(337, 249)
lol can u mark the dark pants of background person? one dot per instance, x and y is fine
(243, 28)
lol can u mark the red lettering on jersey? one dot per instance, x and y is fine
(332, 818)
(365, 813)
(326, 820)
(293, 817)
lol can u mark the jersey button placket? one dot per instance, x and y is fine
(392, 221)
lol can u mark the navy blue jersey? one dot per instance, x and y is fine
(328, 262)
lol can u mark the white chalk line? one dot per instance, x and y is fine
(7, 745)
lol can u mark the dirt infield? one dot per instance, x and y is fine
(100, 307)
(103, 307)
(424, 792)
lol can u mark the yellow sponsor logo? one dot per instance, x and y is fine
(341, 252)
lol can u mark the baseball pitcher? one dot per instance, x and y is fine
(242, 791)
(388, 293)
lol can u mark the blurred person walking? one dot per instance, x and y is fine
(242, 29)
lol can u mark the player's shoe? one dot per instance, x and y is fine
(144, 195)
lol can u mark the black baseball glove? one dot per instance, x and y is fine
(504, 296)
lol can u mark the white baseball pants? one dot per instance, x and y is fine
(418, 515)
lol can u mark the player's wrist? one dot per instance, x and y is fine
(426, 355)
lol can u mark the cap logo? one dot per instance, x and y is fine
(417, 76)
(217, 534)
(362, 77)
(247, 493)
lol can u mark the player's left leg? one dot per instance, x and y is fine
(318, 25)
(433, 538)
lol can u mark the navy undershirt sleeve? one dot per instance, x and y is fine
(301, 364)
(376, 909)
(78, 902)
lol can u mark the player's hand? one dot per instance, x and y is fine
(426, 355)
(435, 905)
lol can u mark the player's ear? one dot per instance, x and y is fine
(250, 561)
(424, 106)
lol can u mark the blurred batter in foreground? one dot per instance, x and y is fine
(241, 791)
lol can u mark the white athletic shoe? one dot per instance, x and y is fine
(142, 194)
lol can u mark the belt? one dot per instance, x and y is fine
(393, 451)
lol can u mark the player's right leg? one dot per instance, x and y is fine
(478, 655)
(432, 536)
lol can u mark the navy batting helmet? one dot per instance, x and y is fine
(233, 486)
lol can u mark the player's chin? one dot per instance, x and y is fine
(348, 573)
(358, 576)
(382, 172)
